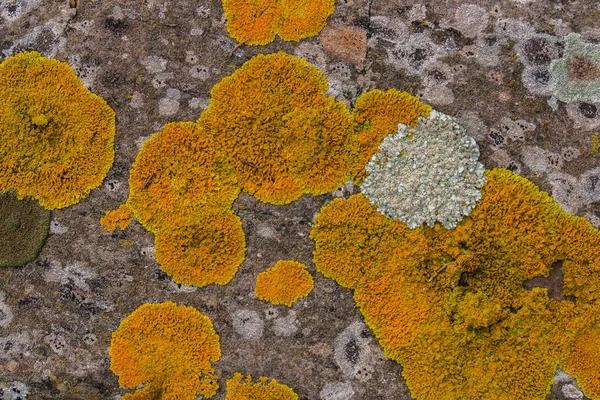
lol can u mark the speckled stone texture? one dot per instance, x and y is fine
(485, 63)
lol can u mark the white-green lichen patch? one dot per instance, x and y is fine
(426, 174)
(576, 76)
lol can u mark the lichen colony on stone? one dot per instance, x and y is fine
(56, 137)
(240, 388)
(257, 22)
(449, 304)
(169, 349)
(426, 174)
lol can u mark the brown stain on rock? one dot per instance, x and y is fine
(581, 68)
(348, 43)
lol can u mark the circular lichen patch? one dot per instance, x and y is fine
(203, 254)
(284, 283)
(169, 349)
(178, 178)
(56, 137)
(24, 226)
(284, 137)
(258, 22)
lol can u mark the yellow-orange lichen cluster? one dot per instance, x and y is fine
(284, 283)
(450, 305)
(182, 189)
(178, 178)
(377, 115)
(239, 388)
(271, 131)
(203, 254)
(56, 137)
(167, 348)
(257, 22)
(283, 135)
(121, 218)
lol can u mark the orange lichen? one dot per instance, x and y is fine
(377, 115)
(257, 22)
(203, 254)
(121, 218)
(283, 136)
(284, 283)
(583, 362)
(239, 388)
(56, 137)
(450, 305)
(167, 348)
(178, 178)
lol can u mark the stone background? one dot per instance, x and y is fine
(156, 62)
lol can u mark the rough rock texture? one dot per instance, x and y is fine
(156, 61)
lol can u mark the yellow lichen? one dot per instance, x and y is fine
(283, 136)
(584, 361)
(450, 305)
(284, 283)
(203, 254)
(257, 22)
(167, 348)
(239, 388)
(56, 137)
(178, 178)
(377, 115)
(121, 218)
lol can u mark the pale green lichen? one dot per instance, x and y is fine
(576, 76)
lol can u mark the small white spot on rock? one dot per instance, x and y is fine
(286, 326)
(198, 103)
(265, 231)
(89, 339)
(154, 64)
(173, 93)
(14, 391)
(248, 324)
(168, 107)
(57, 228)
(148, 252)
(196, 32)
(56, 342)
(137, 100)
(6, 315)
(337, 391)
(200, 72)
(571, 392)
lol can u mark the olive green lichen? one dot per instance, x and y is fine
(24, 226)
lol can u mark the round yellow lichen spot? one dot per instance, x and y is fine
(283, 136)
(121, 218)
(377, 115)
(168, 349)
(257, 22)
(178, 178)
(56, 137)
(284, 283)
(203, 254)
(253, 22)
(239, 388)
(304, 18)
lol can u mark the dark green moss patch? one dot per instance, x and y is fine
(24, 226)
